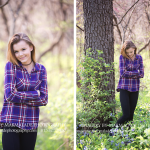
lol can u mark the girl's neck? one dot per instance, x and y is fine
(30, 66)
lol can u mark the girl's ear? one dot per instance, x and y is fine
(31, 48)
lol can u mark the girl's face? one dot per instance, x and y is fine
(23, 52)
(130, 52)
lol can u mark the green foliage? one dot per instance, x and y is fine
(92, 94)
(138, 136)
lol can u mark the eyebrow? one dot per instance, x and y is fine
(17, 50)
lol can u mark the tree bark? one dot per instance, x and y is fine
(98, 28)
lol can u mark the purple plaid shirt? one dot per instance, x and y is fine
(21, 108)
(130, 73)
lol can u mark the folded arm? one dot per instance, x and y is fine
(123, 71)
(42, 100)
(141, 69)
(9, 88)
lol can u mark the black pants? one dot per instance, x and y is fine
(14, 140)
(128, 102)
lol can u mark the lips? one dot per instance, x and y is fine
(22, 58)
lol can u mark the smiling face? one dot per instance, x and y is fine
(130, 52)
(22, 51)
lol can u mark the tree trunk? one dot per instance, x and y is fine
(98, 28)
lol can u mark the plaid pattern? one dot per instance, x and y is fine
(130, 72)
(21, 108)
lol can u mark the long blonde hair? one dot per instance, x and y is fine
(15, 39)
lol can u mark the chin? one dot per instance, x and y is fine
(23, 61)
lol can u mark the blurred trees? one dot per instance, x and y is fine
(131, 20)
(49, 24)
(53, 19)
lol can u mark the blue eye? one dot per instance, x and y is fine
(15, 51)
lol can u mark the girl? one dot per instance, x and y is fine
(131, 70)
(25, 89)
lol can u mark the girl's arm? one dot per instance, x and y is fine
(11, 94)
(42, 100)
(123, 71)
(141, 69)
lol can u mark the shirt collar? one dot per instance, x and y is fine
(35, 66)
(136, 56)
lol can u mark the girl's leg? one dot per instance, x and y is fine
(28, 140)
(124, 100)
(133, 96)
(10, 139)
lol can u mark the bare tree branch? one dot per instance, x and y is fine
(115, 19)
(5, 18)
(147, 16)
(4, 4)
(62, 145)
(51, 48)
(129, 19)
(144, 47)
(79, 28)
(19, 7)
(126, 13)
(14, 17)
(123, 37)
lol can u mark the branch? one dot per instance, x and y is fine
(115, 19)
(126, 13)
(4, 4)
(51, 48)
(62, 145)
(144, 47)
(5, 18)
(14, 17)
(79, 28)
(129, 19)
(19, 7)
(123, 37)
(148, 18)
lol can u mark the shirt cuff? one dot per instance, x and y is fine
(35, 94)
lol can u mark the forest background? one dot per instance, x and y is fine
(131, 21)
(49, 24)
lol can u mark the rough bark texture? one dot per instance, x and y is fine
(98, 28)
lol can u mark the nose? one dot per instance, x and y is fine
(20, 53)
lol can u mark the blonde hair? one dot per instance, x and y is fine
(126, 45)
(15, 39)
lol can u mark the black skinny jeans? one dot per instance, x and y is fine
(128, 102)
(18, 140)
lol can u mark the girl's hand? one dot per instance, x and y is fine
(38, 92)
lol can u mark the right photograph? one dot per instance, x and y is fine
(112, 75)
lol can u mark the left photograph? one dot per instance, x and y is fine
(36, 79)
